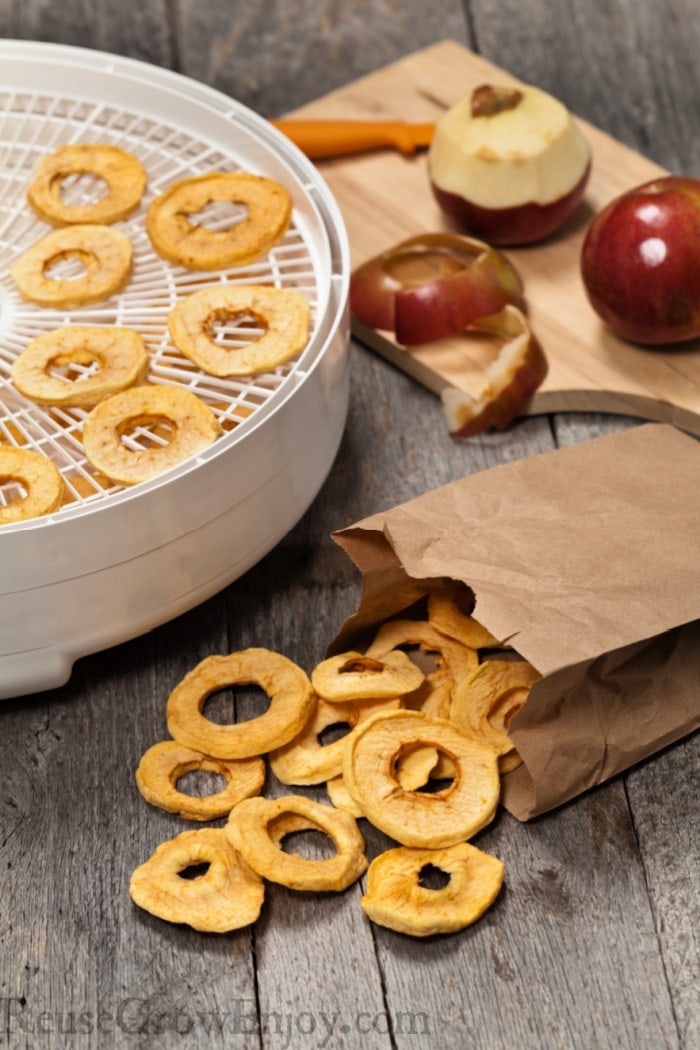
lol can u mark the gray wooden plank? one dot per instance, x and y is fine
(6, 18)
(663, 795)
(138, 30)
(241, 48)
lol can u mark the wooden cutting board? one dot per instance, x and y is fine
(385, 197)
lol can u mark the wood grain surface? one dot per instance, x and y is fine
(593, 942)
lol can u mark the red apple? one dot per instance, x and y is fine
(508, 164)
(640, 262)
(511, 379)
(432, 286)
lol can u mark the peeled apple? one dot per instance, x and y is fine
(508, 164)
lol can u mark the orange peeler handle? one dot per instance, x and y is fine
(334, 138)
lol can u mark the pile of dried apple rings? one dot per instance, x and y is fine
(426, 709)
(103, 369)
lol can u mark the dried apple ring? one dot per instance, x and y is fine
(508, 762)
(456, 657)
(257, 827)
(434, 696)
(282, 312)
(341, 797)
(196, 247)
(287, 685)
(193, 424)
(306, 760)
(119, 353)
(163, 764)
(124, 174)
(36, 476)
(105, 253)
(355, 676)
(428, 820)
(395, 897)
(485, 701)
(447, 612)
(228, 896)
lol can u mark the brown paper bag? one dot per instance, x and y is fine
(587, 561)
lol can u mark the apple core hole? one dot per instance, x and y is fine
(12, 490)
(231, 330)
(85, 188)
(74, 368)
(68, 266)
(219, 216)
(199, 783)
(194, 871)
(330, 734)
(147, 432)
(307, 843)
(430, 877)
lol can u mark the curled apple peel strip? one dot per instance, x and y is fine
(432, 286)
(511, 379)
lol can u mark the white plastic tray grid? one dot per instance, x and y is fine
(31, 125)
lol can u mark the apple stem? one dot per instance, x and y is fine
(488, 100)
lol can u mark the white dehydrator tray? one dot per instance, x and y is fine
(113, 562)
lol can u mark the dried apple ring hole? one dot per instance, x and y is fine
(225, 894)
(112, 178)
(257, 827)
(415, 818)
(294, 835)
(286, 684)
(104, 256)
(187, 426)
(80, 366)
(271, 326)
(164, 767)
(177, 238)
(30, 484)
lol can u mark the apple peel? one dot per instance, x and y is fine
(511, 379)
(432, 286)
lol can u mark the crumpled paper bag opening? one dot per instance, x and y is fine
(586, 560)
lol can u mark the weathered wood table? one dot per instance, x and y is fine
(593, 941)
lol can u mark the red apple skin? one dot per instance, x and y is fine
(510, 227)
(640, 262)
(499, 413)
(441, 305)
(447, 306)
(373, 294)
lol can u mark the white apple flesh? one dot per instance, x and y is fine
(511, 380)
(508, 164)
